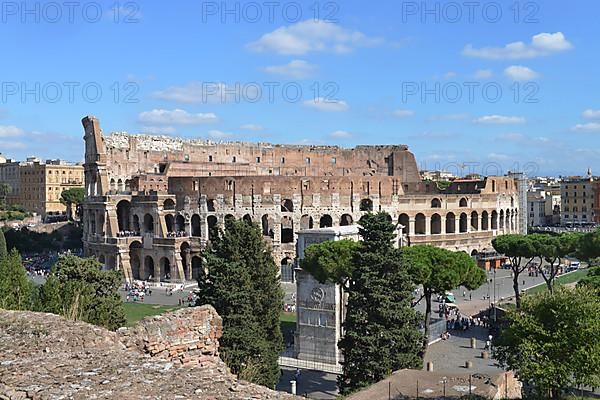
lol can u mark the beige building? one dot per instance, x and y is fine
(153, 203)
(577, 200)
(37, 186)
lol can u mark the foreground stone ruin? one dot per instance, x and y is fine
(173, 356)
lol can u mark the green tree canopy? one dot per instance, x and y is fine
(15, 287)
(79, 289)
(72, 197)
(381, 329)
(240, 279)
(551, 248)
(521, 250)
(553, 341)
(330, 261)
(440, 270)
(592, 279)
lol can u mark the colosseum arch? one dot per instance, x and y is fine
(287, 205)
(494, 220)
(136, 223)
(165, 269)
(124, 215)
(287, 270)
(196, 229)
(180, 223)
(462, 225)
(210, 205)
(247, 219)
(170, 223)
(184, 252)
(450, 223)
(267, 226)
(135, 249)
(404, 220)
(436, 203)
(346, 220)
(113, 185)
(326, 221)
(366, 205)
(287, 230)
(484, 221)
(436, 224)
(474, 221)
(306, 222)
(120, 185)
(169, 204)
(420, 224)
(213, 228)
(196, 267)
(148, 268)
(501, 219)
(463, 203)
(148, 223)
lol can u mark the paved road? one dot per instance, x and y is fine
(477, 300)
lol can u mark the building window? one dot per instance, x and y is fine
(210, 159)
(258, 160)
(308, 160)
(283, 160)
(333, 160)
(234, 159)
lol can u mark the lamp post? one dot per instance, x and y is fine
(495, 303)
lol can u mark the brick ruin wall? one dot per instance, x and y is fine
(44, 356)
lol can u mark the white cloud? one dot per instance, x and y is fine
(591, 114)
(312, 36)
(498, 157)
(543, 44)
(12, 145)
(589, 127)
(483, 74)
(520, 73)
(252, 127)
(216, 134)
(166, 130)
(323, 104)
(341, 135)
(7, 131)
(449, 117)
(295, 69)
(403, 113)
(450, 75)
(175, 117)
(500, 120)
(511, 137)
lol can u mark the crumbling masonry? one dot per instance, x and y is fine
(153, 202)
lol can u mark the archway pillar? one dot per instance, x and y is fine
(427, 225)
(123, 262)
(177, 264)
(411, 227)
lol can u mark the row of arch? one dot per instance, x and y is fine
(438, 224)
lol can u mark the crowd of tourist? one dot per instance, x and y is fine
(128, 233)
(137, 291)
(177, 234)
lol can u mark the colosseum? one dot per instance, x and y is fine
(153, 202)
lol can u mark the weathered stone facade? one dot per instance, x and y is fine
(173, 356)
(152, 201)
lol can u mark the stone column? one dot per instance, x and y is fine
(427, 225)
(411, 227)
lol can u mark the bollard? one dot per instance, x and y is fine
(293, 387)
(429, 366)
(485, 355)
(468, 364)
(473, 343)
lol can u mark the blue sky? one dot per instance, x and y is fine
(195, 70)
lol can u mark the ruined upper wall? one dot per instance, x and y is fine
(130, 155)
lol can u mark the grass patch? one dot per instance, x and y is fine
(564, 279)
(288, 317)
(135, 312)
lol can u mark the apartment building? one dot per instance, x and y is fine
(577, 200)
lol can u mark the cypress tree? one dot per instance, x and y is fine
(240, 280)
(3, 250)
(15, 287)
(381, 330)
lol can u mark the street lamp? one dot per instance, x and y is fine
(495, 303)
